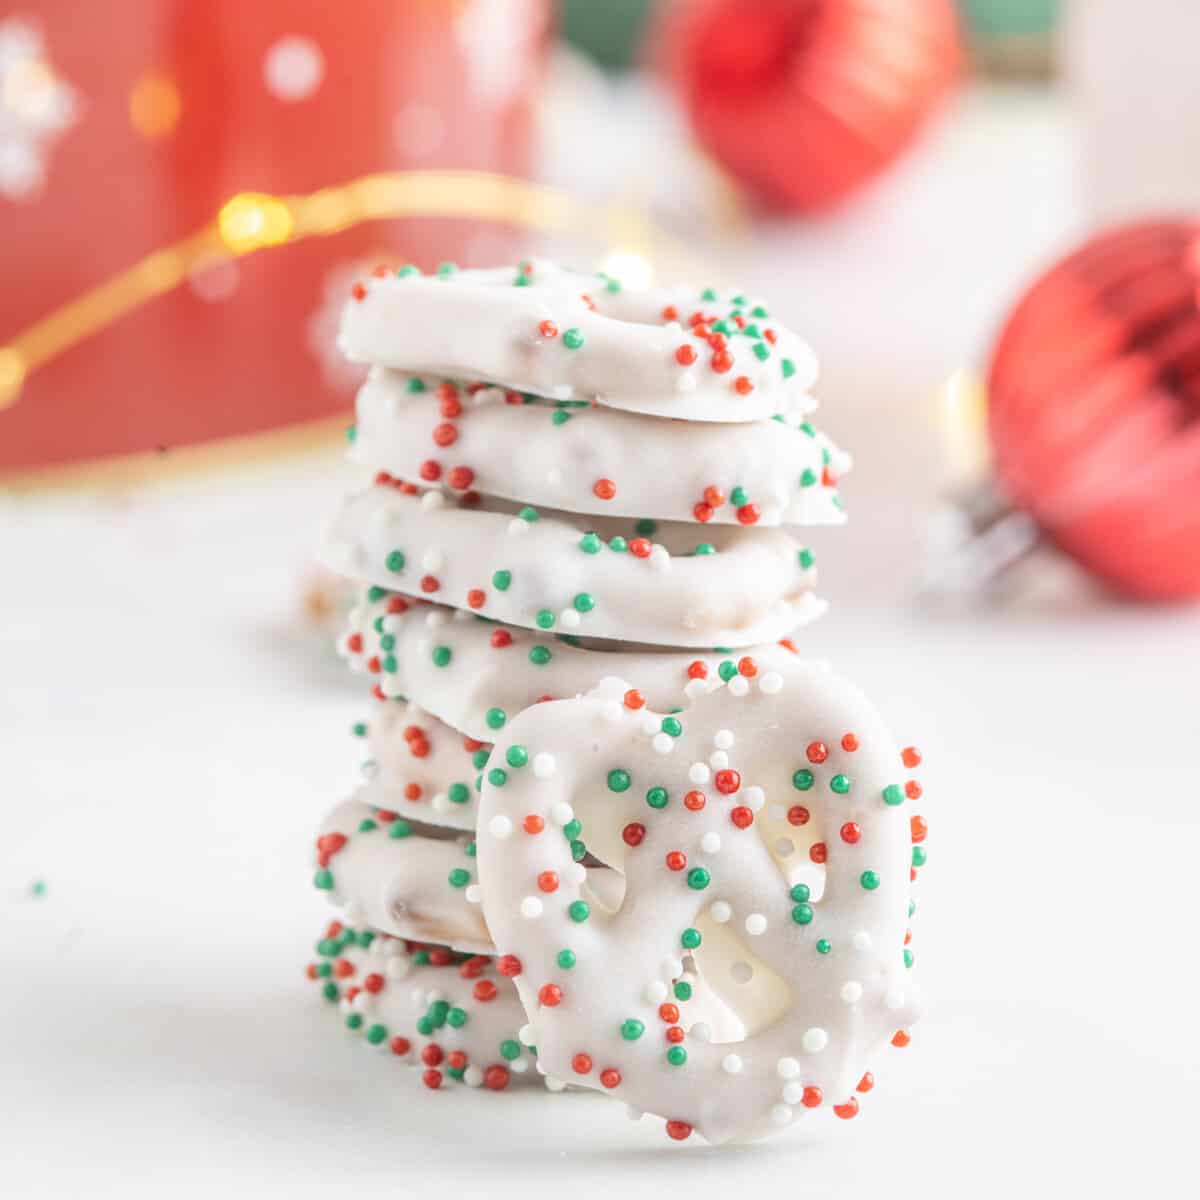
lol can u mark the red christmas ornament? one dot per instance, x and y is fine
(1094, 395)
(803, 101)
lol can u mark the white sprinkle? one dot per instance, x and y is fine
(787, 1068)
(362, 1001)
(785, 847)
(862, 940)
(434, 499)
(720, 911)
(723, 739)
(663, 743)
(543, 765)
(562, 391)
(701, 1031)
(531, 908)
(462, 616)
(355, 915)
(894, 999)
(698, 772)
(561, 813)
(610, 710)
(718, 760)
(756, 923)
(814, 1040)
(672, 968)
(433, 560)
(473, 1077)
(293, 68)
(852, 991)
(569, 618)
(781, 1114)
(576, 873)
(441, 802)
(771, 683)
(694, 688)
(739, 685)
(656, 992)
(710, 843)
(554, 1085)
(500, 827)
(519, 1067)
(634, 1114)
(518, 526)
(525, 1036)
(731, 1064)
(660, 560)
(753, 798)
(792, 1093)
(648, 724)
(777, 812)
(474, 894)
(685, 381)
(397, 968)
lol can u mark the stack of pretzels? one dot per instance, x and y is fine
(617, 829)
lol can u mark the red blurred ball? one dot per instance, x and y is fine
(1094, 407)
(803, 101)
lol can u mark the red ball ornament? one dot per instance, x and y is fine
(1093, 395)
(803, 101)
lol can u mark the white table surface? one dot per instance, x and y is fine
(169, 738)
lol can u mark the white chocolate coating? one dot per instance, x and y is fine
(755, 587)
(458, 1018)
(490, 677)
(819, 978)
(478, 325)
(422, 769)
(408, 881)
(566, 458)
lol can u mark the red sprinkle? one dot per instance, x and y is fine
(533, 823)
(697, 669)
(358, 292)
(669, 1012)
(429, 583)
(728, 781)
(676, 860)
(508, 965)
(703, 513)
(812, 1097)
(741, 816)
(634, 833)
(354, 643)
(694, 801)
(685, 355)
(640, 547)
(714, 496)
(550, 995)
(373, 983)
(432, 1078)
(547, 881)
(722, 361)
(496, 1078)
(748, 667)
(460, 478)
(604, 489)
(634, 698)
(445, 434)
(675, 1035)
(581, 1064)
(851, 832)
(670, 313)
(749, 514)
(850, 743)
(901, 1039)
(919, 829)
(501, 638)
(429, 470)
(412, 791)
(610, 1077)
(847, 1110)
(742, 385)
(477, 598)
(817, 852)
(817, 752)
(913, 790)
(432, 1055)
(548, 329)
(485, 991)
(910, 756)
(400, 1045)
(679, 1130)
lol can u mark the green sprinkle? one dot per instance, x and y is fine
(376, 1034)
(912, 907)
(759, 312)
(559, 417)
(456, 1018)
(690, 939)
(366, 825)
(470, 848)
(727, 670)
(330, 991)
(572, 338)
(808, 478)
(446, 269)
(389, 664)
(632, 1029)
(824, 945)
(738, 496)
(840, 784)
(579, 911)
(801, 892)
(424, 1024)
(590, 543)
(496, 718)
(479, 758)
(761, 350)
(578, 850)
(677, 1056)
(808, 427)
(387, 642)
(459, 877)
(612, 285)
(573, 828)
(442, 656)
(657, 797)
(706, 548)
(566, 959)
(618, 780)
(415, 385)
(803, 779)
(540, 655)
(646, 527)
(510, 1049)
(351, 433)
(516, 756)
(908, 957)
(802, 914)
(501, 580)
(323, 879)
(618, 543)
(919, 857)
(458, 793)
(698, 879)
(529, 513)
(544, 619)
(683, 990)
(672, 725)
(395, 561)
(806, 558)
(788, 367)
(354, 1021)
(375, 593)
(708, 294)
(893, 795)
(359, 729)
(407, 270)
(869, 880)
(584, 602)
(497, 777)
(324, 970)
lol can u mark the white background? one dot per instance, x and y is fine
(170, 736)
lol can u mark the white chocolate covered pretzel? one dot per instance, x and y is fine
(458, 1017)
(490, 675)
(764, 831)
(595, 460)
(589, 576)
(674, 352)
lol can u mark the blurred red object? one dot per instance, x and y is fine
(127, 128)
(1094, 407)
(803, 101)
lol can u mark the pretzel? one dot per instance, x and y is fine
(586, 459)
(765, 831)
(457, 1016)
(672, 352)
(578, 575)
(493, 671)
